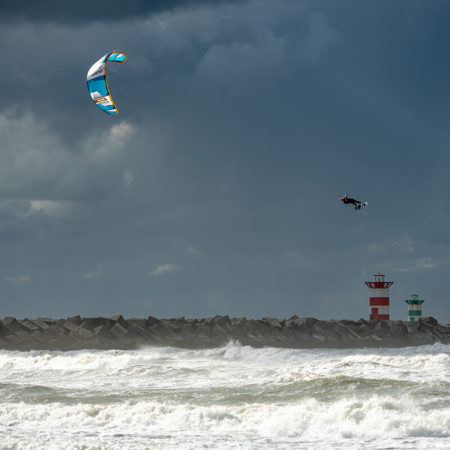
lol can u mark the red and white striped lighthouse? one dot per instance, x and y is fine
(379, 297)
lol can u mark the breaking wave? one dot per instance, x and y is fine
(229, 397)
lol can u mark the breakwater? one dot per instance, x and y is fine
(119, 333)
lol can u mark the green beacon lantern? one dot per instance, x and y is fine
(414, 308)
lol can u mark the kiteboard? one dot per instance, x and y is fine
(361, 205)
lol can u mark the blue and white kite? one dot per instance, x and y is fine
(98, 84)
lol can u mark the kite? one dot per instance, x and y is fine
(98, 85)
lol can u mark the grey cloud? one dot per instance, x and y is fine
(18, 279)
(78, 13)
(165, 269)
(38, 166)
(419, 266)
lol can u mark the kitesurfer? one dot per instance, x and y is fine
(348, 200)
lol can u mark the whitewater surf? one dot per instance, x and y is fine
(230, 397)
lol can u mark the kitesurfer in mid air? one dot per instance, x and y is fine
(348, 200)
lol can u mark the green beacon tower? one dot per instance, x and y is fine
(414, 308)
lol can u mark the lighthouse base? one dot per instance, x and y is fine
(379, 317)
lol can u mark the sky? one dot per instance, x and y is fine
(215, 190)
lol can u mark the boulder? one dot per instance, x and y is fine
(118, 330)
(273, 322)
(428, 321)
(12, 326)
(46, 320)
(142, 323)
(102, 331)
(179, 320)
(84, 333)
(240, 322)
(71, 326)
(136, 330)
(76, 320)
(93, 322)
(29, 324)
(152, 320)
(222, 321)
(56, 331)
(43, 324)
(120, 320)
(39, 336)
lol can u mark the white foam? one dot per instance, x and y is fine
(231, 397)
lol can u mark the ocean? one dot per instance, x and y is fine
(233, 397)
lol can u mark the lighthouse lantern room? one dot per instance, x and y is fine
(379, 297)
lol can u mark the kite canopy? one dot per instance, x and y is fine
(98, 84)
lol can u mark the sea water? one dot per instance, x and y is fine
(233, 397)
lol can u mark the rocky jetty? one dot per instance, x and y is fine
(119, 333)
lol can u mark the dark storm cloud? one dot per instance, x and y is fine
(215, 189)
(79, 12)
